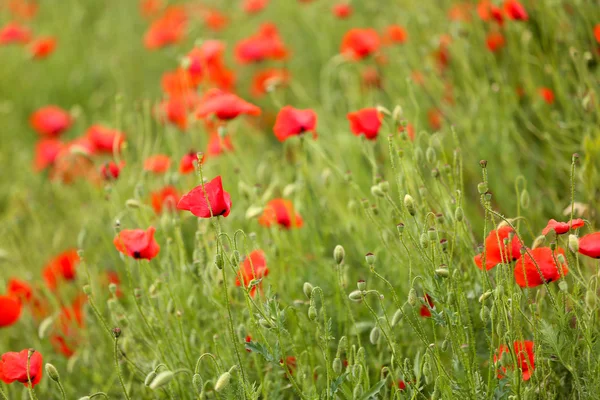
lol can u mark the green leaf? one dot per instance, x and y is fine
(374, 390)
(260, 349)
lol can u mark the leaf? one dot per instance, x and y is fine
(260, 349)
(374, 390)
(335, 385)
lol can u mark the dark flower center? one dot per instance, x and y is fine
(137, 254)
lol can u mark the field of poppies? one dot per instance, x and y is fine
(299, 199)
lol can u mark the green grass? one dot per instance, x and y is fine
(188, 317)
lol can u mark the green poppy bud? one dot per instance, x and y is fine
(312, 313)
(149, 378)
(222, 382)
(374, 335)
(161, 380)
(459, 214)
(409, 203)
(219, 261)
(307, 288)
(398, 315)
(337, 366)
(339, 254)
(52, 372)
(412, 297)
(574, 243)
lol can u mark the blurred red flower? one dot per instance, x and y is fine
(293, 122)
(61, 268)
(50, 121)
(360, 43)
(165, 198)
(281, 212)
(137, 243)
(253, 267)
(525, 358)
(366, 121)
(266, 44)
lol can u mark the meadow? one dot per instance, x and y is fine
(299, 199)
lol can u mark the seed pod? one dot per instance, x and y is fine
(149, 378)
(574, 243)
(459, 214)
(370, 258)
(307, 288)
(337, 366)
(412, 297)
(355, 295)
(361, 285)
(312, 313)
(52, 372)
(162, 379)
(87, 290)
(397, 317)
(482, 187)
(374, 335)
(400, 228)
(484, 314)
(409, 203)
(223, 381)
(339, 254)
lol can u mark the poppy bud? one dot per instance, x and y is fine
(482, 187)
(342, 345)
(483, 163)
(149, 378)
(459, 214)
(312, 313)
(219, 261)
(538, 242)
(235, 257)
(397, 317)
(112, 288)
(339, 254)
(87, 290)
(170, 306)
(409, 203)
(563, 286)
(361, 285)
(590, 299)
(370, 258)
(400, 228)
(485, 296)
(197, 382)
(445, 344)
(418, 155)
(307, 288)
(52, 372)
(357, 392)
(264, 323)
(355, 296)
(222, 382)
(412, 297)
(424, 240)
(430, 155)
(573, 243)
(524, 199)
(162, 379)
(484, 314)
(376, 191)
(132, 203)
(337, 365)
(384, 186)
(442, 272)
(116, 332)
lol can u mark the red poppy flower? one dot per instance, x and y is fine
(188, 161)
(281, 212)
(597, 33)
(360, 43)
(562, 227)
(70, 320)
(547, 94)
(13, 367)
(168, 29)
(178, 83)
(61, 267)
(342, 10)
(14, 33)
(371, 78)
(515, 10)
(253, 267)
(401, 385)
(460, 12)
(105, 139)
(496, 251)
(290, 363)
(137, 243)
(166, 198)
(111, 170)
(265, 80)
(50, 121)
(526, 272)
(215, 20)
(365, 122)
(589, 245)
(149, 8)
(218, 145)
(42, 47)
(487, 11)
(219, 201)
(525, 358)
(264, 45)
(225, 106)
(174, 111)
(63, 345)
(25, 9)
(158, 163)
(494, 41)
(424, 311)
(434, 116)
(46, 151)
(255, 6)
(410, 130)
(395, 34)
(11, 311)
(206, 63)
(20, 290)
(293, 122)
(248, 339)
(73, 162)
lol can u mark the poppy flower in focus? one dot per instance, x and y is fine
(253, 267)
(42, 47)
(496, 251)
(266, 80)
(525, 358)
(365, 122)
(395, 34)
(526, 268)
(111, 170)
(168, 29)
(254, 6)
(137, 243)
(46, 151)
(50, 121)
(186, 165)
(14, 33)
(562, 227)
(293, 122)
(166, 198)
(360, 43)
(158, 163)
(547, 94)
(515, 10)
(342, 10)
(219, 201)
(105, 139)
(425, 311)
(61, 268)
(494, 41)
(266, 44)
(225, 106)
(11, 311)
(218, 145)
(589, 245)
(13, 367)
(282, 213)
